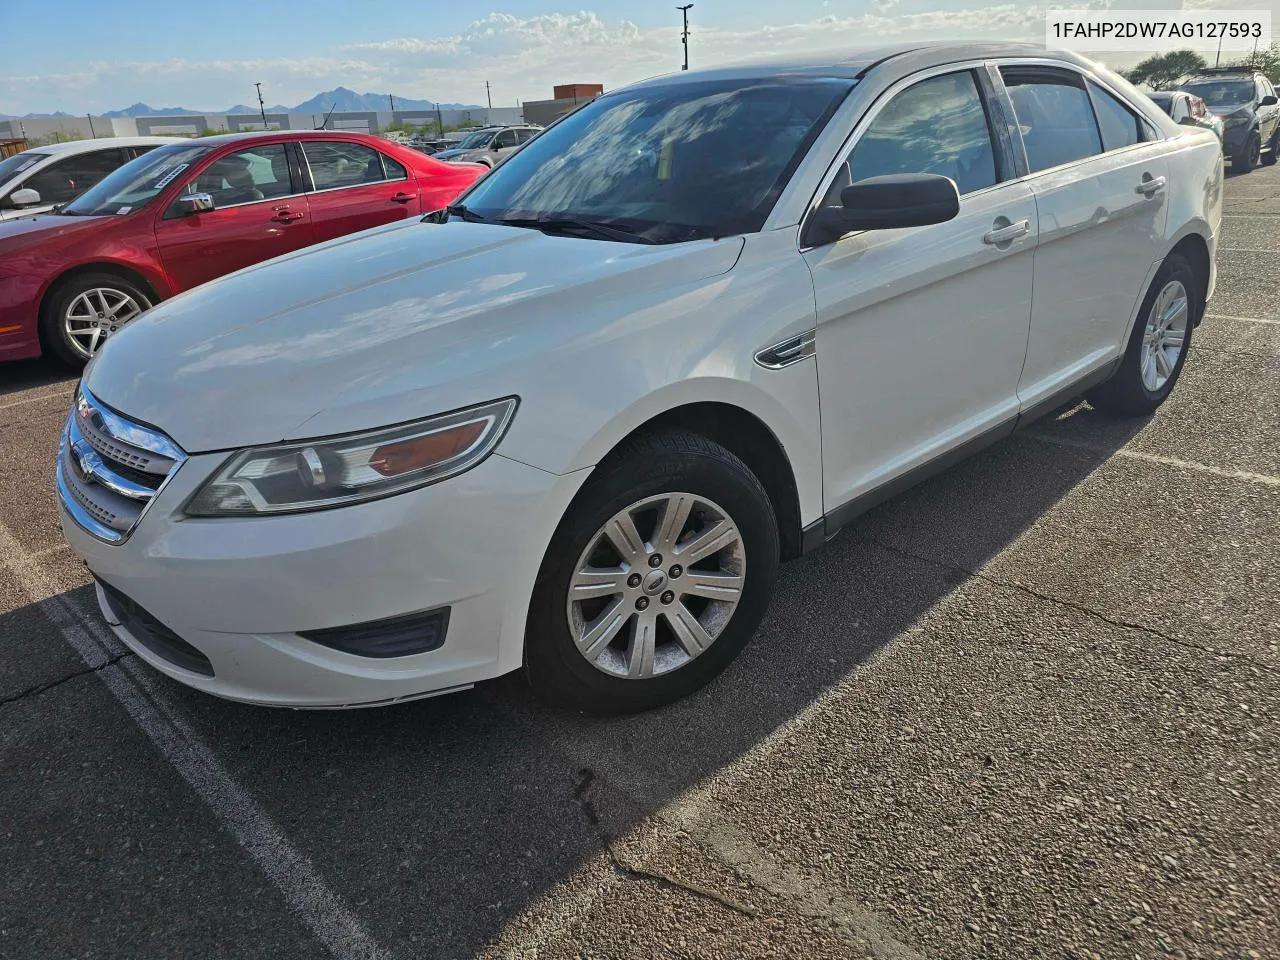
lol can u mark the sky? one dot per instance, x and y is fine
(207, 56)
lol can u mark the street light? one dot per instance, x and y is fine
(684, 35)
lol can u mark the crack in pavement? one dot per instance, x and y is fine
(586, 778)
(706, 828)
(53, 684)
(1071, 605)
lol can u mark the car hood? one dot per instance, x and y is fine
(393, 324)
(21, 233)
(453, 153)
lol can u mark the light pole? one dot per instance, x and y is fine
(684, 34)
(262, 105)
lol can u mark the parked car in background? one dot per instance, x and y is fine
(191, 211)
(488, 145)
(695, 327)
(1188, 110)
(1246, 101)
(39, 179)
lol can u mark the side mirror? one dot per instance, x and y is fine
(1268, 101)
(192, 203)
(886, 203)
(26, 197)
(1188, 122)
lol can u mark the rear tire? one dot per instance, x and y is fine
(1249, 157)
(85, 310)
(1269, 158)
(683, 617)
(1159, 343)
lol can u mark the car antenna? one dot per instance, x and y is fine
(324, 123)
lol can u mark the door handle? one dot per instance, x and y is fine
(1013, 231)
(285, 216)
(1150, 186)
(402, 198)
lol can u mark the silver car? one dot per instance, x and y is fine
(488, 145)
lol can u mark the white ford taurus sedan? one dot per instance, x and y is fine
(574, 423)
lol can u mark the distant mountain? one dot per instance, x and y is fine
(342, 100)
(141, 109)
(339, 99)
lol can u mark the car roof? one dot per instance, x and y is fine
(856, 62)
(102, 143)
(222, 138)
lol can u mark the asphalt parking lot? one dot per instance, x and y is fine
(1028, 709)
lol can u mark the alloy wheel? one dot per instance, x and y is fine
(1165, 336)
(656, 585)
(95, 314)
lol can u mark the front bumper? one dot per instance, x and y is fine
(239, 591)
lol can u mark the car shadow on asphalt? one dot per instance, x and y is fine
(440, 821)
(18, 375)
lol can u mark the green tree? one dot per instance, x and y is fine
(1164, 70)
(1268, 61)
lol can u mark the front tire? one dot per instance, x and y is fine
(1159, 343)
(87, 309)
(657, 577)
(1250, 156)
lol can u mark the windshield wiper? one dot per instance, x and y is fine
(607, 231)
(460, 210)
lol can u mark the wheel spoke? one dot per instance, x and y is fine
(711, 540)
(603, 629)
(716, 585)
(102, 302)
(626, 539)
(690, 634)
(1162, 363)
(1174, 340)
(1149, 368)
(93, 340)
(594, 582)
(675, 516)
(1175, 313)
(643, 646)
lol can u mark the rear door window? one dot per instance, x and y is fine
(338, 163)
(1119, 124)
(1054, 114)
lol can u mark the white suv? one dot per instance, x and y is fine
(686, 333)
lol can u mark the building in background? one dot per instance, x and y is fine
(566, 97)
(196, 124)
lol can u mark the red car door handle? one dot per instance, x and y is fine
(402, 198)
(286, 216)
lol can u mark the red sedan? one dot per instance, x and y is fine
(187, 213)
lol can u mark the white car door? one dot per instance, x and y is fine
(1100, 187)
(921, 332)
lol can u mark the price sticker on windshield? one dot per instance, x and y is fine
(169, 177)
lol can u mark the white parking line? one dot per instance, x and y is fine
(1223, 316)
(1264, 479)
(48, 396)
(1250, 216)
(323, 912)
(1245, 250)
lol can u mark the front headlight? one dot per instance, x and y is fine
(315, 474)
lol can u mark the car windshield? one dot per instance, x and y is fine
(474, 140)
(135, 184)
(671, 162)
(12, 166)
(1221, 93)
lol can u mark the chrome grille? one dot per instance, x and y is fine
(110, 468)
